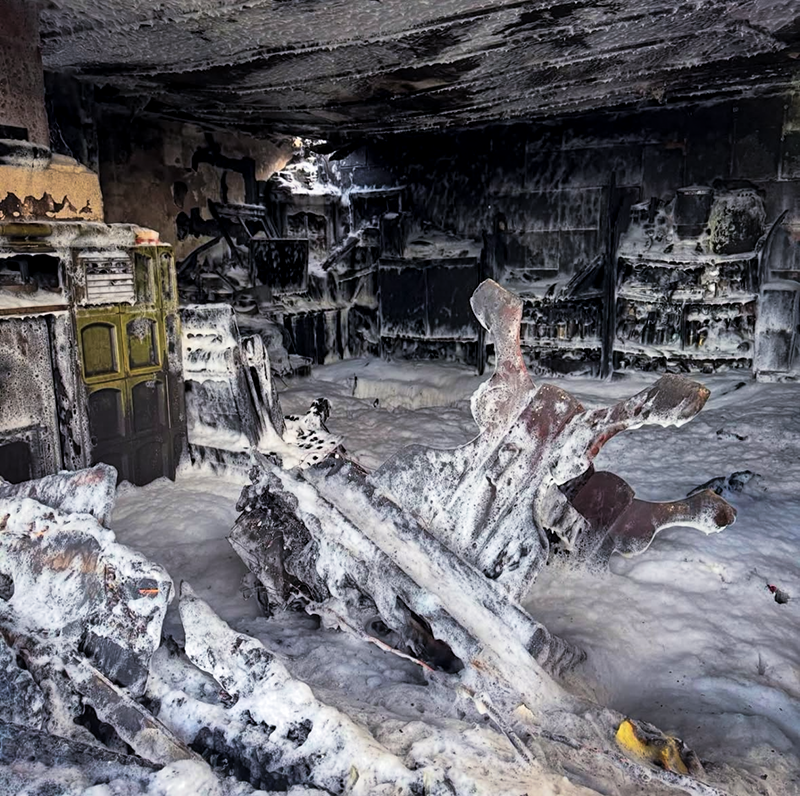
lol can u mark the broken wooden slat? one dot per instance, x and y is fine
(25, 744)
(147, 736)
(297, 737)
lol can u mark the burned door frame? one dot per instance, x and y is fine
(148, 438)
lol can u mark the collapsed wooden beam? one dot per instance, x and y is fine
(21, 744)
(277, 727)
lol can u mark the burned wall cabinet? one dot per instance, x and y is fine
(424, 305)
(319, 335)
(688, 289)
(128, 339)
(339, 322)
(36, 378)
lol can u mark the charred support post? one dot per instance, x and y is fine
(609, 279)
(618, 204)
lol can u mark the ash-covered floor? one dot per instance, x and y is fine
(687, 635)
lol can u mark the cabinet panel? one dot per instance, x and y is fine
(150, 461)
(145, 279)
(16, 462)
(107, 413)
(100, 347)
(149, 405)
(143, 342)
(169, 284)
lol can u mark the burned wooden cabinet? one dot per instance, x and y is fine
(130, 363)
(687, 291)
(424, 307)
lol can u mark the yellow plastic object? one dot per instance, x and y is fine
(647, 743)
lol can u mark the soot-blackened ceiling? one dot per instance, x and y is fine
(322, 67)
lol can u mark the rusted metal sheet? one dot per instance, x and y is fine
(499, 500)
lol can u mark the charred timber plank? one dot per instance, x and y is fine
(295, 735)
(21, 699)
(38, 309)
(147, 736)
(399, 557)
(24, 744)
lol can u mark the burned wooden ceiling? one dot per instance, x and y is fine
(327, 67)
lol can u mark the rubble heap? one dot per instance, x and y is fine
(430, 556)
(427, 558)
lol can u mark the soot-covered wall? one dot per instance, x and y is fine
(158, 173)
(161, 175)
(22, 115)
(548, 180)
(534, 196)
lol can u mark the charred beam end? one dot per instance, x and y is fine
(146, 735)
(24, 744)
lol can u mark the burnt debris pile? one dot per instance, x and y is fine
(427, 558)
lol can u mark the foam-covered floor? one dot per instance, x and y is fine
(686, 635)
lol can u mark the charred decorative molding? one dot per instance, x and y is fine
(64, 191)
